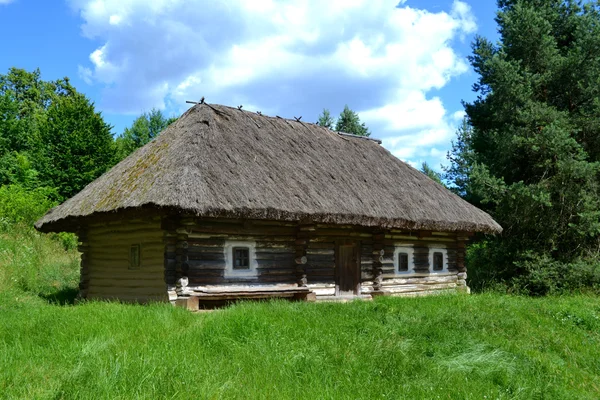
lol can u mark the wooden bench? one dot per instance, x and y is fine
(219, 297)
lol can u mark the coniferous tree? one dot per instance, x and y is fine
(431, 173)
(530, 151)
(349, 122)
(325, 119)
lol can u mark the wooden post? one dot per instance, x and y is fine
(460, 264)
(302, 240)
(378, 252)
(84, 277)
(182, 265)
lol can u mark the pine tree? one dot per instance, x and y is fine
(349, 122)
(325, 119)
(531, 149)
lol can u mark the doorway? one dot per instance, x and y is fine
(347, 267)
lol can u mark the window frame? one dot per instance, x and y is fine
(408, 249)
(245, 257)
(135, 257)
(444, 252)
(229, 252)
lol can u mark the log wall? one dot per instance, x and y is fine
(288, 256)
(423, 281)
(106, 269)
(195, 248)
(205, 262)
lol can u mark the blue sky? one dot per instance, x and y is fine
(402, 66)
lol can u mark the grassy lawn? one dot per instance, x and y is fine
(471, 347)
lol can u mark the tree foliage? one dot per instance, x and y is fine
(431, 173)
(50, 135)
(145, 128)
(347, 122)
(325, 119)
(529, 152)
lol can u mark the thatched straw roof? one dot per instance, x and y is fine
(221, 161)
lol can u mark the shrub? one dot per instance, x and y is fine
(19, 205)
(532, 274)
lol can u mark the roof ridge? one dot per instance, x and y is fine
(260, 114)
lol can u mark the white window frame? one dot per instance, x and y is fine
(444, 251)
(230, 272)
(411, 259)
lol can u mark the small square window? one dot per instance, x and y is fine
(402, 262)
(241, 258)
(438, 261)
(134, 257)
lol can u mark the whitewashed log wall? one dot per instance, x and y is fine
(203, 260)
(106, 272)
(172, 248)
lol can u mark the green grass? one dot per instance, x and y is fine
(472, 347)
(448, 347)
(36, 262)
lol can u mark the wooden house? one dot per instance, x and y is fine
(227, 204)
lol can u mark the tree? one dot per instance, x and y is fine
(529, 151)
(349, 122)
(50, 135)
(431, 173)
(325, 119)
(145, 128)
(77, 145)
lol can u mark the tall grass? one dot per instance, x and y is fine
(459, 347)
(37, 263)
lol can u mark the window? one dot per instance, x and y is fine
(404, 259)
(438, 261)
(403, 262)
(134, 257)
(240, 259)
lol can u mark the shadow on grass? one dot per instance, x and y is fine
(63, 297)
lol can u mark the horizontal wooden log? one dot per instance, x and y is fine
(419, 288)
(275, 263)
(206, 256)
(319, 258)
(420, 280)
(196, 273)
(233, 288)
(310, 272)
(273, 271)
(321, 245)
(150, 284)
(264, 244)
(123, 237)
(205, 264)
(123, 264)
(321, 264)
(284, 257)
(206, 242)
(326, 252)
(273, 250)
(241, 230)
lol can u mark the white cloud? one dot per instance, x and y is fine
(85, 74)
(289, 58)
(6, 1)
